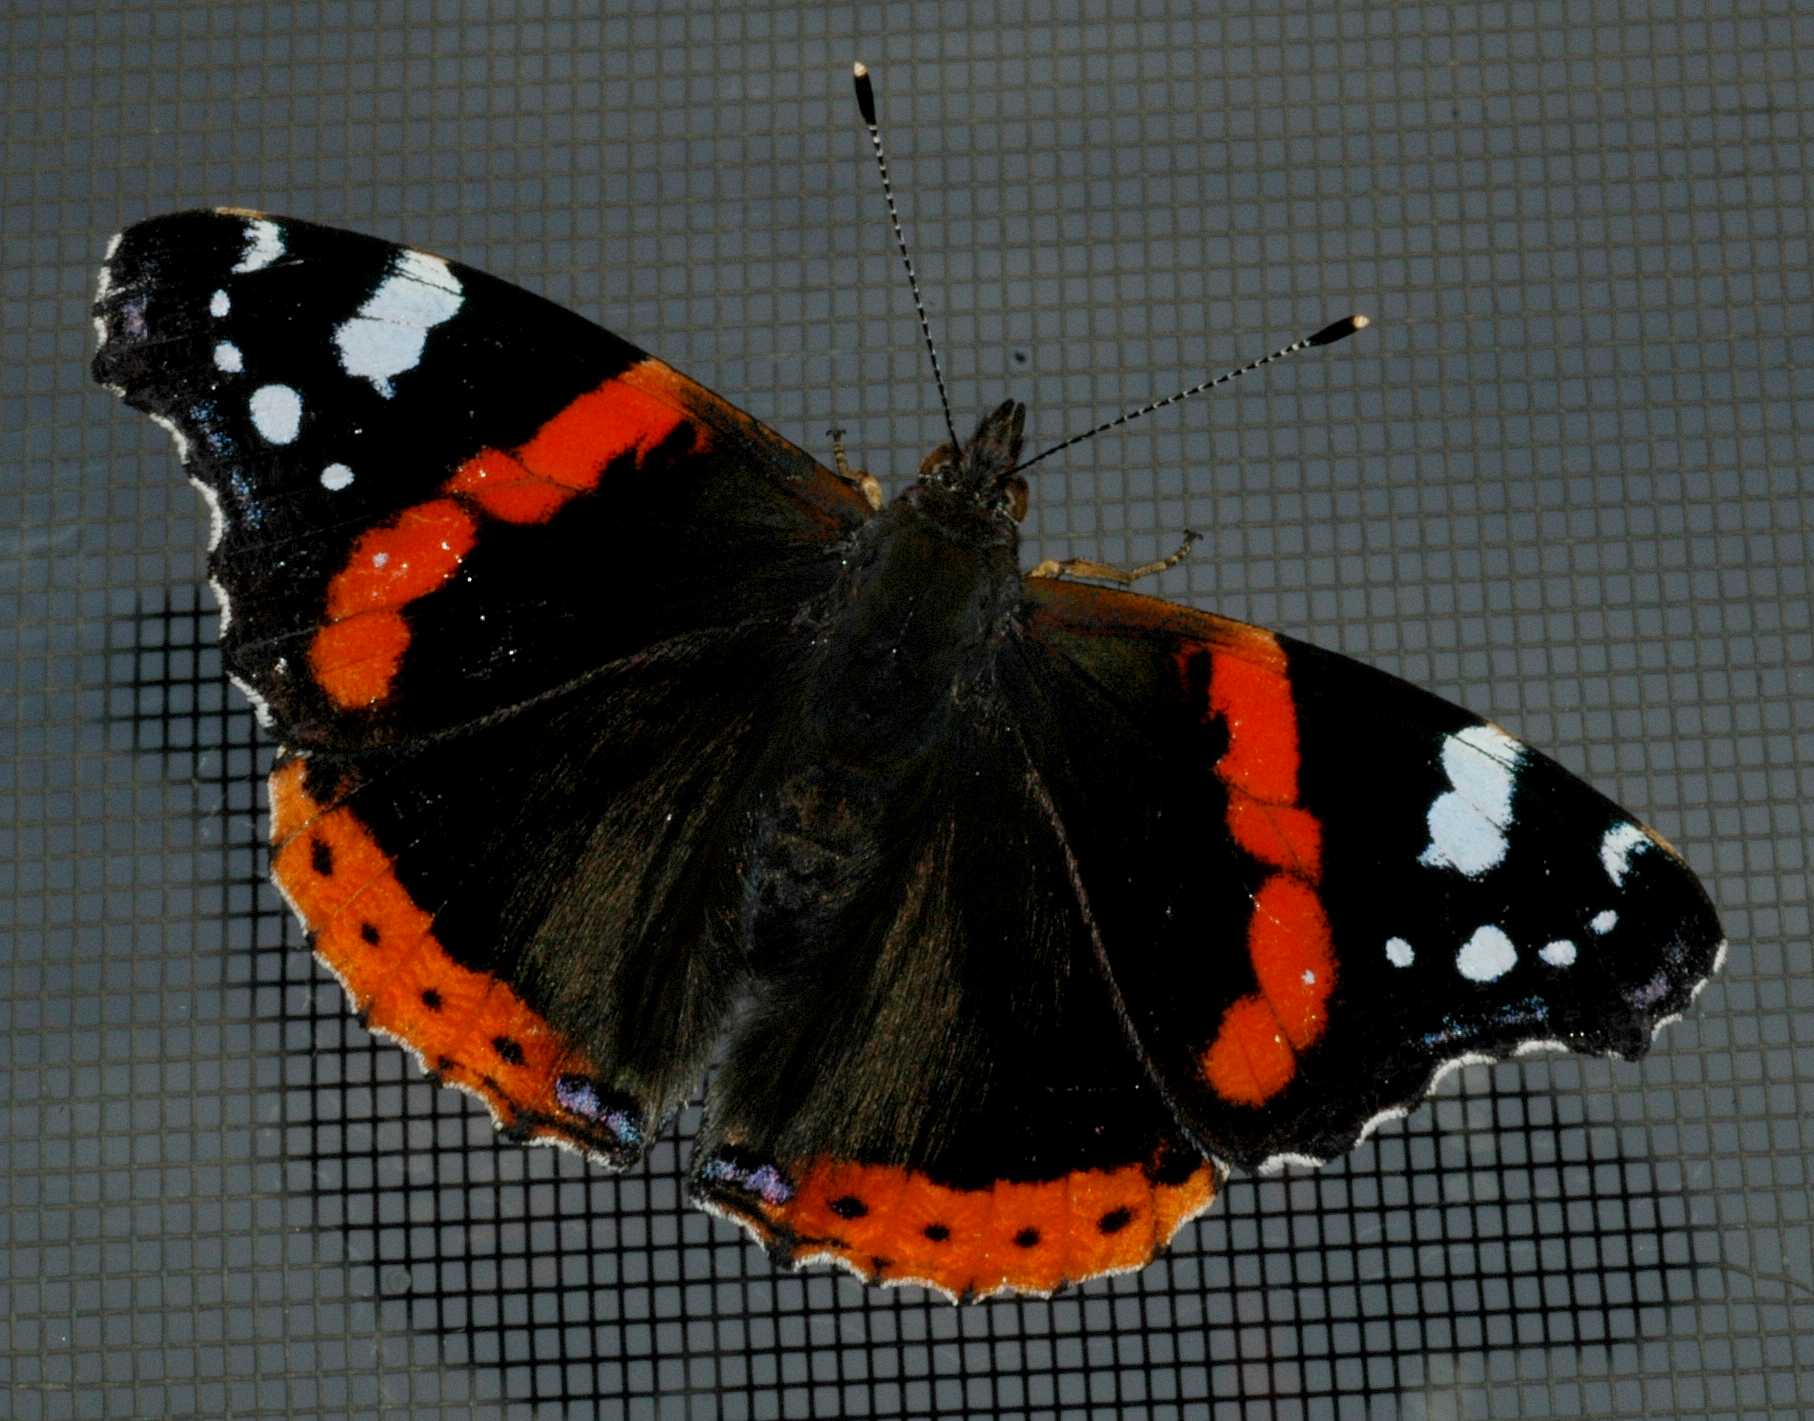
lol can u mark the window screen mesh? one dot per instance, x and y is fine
(1562, 481)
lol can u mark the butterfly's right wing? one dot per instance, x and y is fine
(1313, 886)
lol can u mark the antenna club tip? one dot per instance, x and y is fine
(1340, 330)
(866, 94)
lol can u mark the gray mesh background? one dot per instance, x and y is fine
(1561, 481)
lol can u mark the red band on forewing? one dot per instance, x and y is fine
(574, 447)
(1288, 940)
(500, 485)
(1253, 1055)
(354, 658)
(469, 1029)
(355, 661)
(1278, 834)
(632, 412)
(1249, 1061)
(895, 1225)
(408, 558)
(1255, 703)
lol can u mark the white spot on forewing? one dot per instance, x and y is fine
(336, 477)
(1468, 821)
(380, 559)
(1616, 849)
(1604, 921)
(276, 413)
(1487, 956)
(1399, 952)
(228, 358)
(1560, 953)
(386, 336)
(219, 304)
(264, 245)
(1461, 837)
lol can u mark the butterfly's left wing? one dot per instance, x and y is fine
(1314, 885)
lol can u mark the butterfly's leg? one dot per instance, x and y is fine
(860, 479)
(1088, 567)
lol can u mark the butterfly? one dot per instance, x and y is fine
(619, 735)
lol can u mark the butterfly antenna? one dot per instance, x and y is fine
(866, 102)
(1328, 335)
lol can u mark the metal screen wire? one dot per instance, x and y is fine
(1562, 481)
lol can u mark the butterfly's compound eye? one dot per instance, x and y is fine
(936, 467)
(1013, 497)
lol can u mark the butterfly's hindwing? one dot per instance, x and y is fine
(933, 1085)
(542, 906)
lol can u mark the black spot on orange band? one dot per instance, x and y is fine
(896, 1225)
(475, 1030)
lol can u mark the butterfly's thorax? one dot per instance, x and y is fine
(927, 591)
(897, 655)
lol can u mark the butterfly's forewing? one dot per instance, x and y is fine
(512, 594)
(1313, 885)
(437, 494)
(933, 1086)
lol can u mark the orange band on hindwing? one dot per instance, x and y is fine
(1253, 1055)
(894, 1225)
(355, 657)
(468, 1028)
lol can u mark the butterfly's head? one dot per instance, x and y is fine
(983, 471)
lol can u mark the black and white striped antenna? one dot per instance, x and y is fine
(866, 104)
(1328, 335)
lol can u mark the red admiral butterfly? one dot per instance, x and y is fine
(615, 726)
